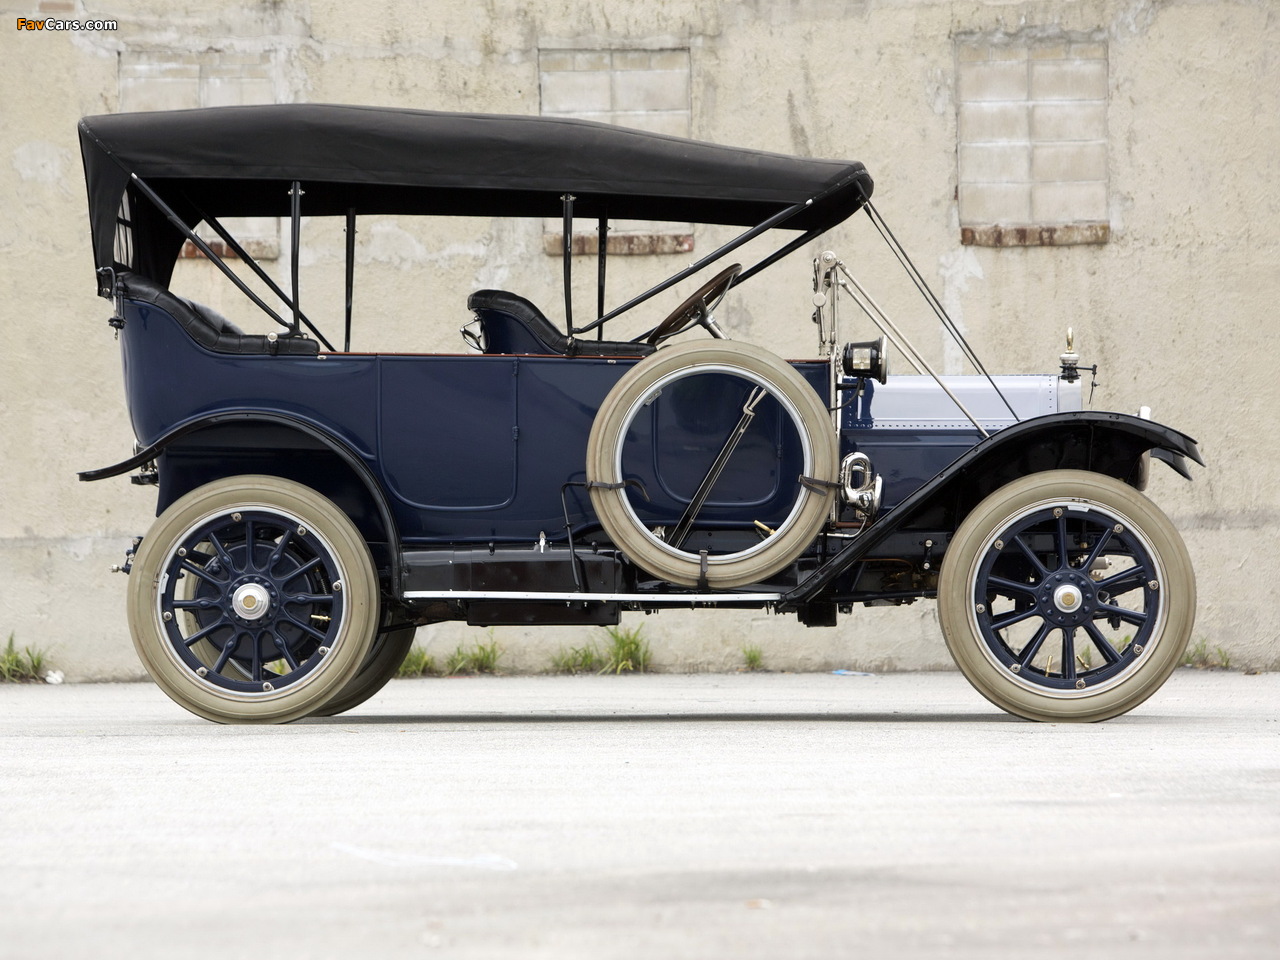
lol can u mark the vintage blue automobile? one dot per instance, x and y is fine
(316, 504)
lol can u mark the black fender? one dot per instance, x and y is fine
(1114, 444)
(318, 436)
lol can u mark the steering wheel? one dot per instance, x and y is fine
(697, 307)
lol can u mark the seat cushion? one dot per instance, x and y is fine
(514, 325)
(208, 327)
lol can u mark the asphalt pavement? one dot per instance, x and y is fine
(752, 815)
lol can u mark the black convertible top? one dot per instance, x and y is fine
(240, 161)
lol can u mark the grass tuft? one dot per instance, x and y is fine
(625, 651)
(584, 659)
(21, 666)
(1200, 657)
(418, 663)
(482, 658)
(753, 657)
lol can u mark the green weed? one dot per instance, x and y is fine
(584, 659)
(1200, 657)
(626, 651)
(753, 657)
(482, 658)
(418, 663)
(21, 666)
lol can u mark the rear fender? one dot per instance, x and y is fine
(230, 444)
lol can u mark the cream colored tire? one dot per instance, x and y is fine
(388, 653)
(988, 579)
(799, 402)
(263, 572)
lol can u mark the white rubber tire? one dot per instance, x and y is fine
(1164, 648)
(388, 653)
(351, 639)
(797, 398)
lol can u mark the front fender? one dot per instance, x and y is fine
(1110, 443)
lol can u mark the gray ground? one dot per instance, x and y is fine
(661, 816)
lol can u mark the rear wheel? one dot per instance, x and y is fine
(253, 599)
(1066, 595)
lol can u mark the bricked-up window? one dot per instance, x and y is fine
(1032, 143)
(163, 79)
(642, 89)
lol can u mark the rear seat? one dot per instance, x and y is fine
(209, 328)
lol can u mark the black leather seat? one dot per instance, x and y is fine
(209, 328)
(514, 325)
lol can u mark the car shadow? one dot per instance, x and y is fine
(684, 717)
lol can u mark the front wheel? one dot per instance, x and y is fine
(253, 599)
(1066, 596)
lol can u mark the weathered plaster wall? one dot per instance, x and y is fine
(1176, 307)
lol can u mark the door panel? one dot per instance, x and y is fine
(449, 430)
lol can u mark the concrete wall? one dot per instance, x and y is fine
(1176, 307)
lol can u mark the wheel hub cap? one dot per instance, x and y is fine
(1067, 598)
(251, 601)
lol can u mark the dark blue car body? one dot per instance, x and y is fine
(546, 475)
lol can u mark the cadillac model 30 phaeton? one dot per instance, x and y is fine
(316, 504)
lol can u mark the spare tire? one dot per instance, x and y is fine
(810, 508)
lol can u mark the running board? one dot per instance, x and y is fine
(544, 582)
(672, 599)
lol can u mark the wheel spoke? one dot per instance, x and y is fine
(248, 541)
(309, 598)
(203, 603)
(256, 662)
(278, 552)
(1068, 653)
(223, 557)
(1016, 616)
(1109, 653)
(304, 568)
(1005, 586)
(201, 634)
(226, 652)
(1126, 580)
(285, 652)
(1031, 649)
(1061, 534)
(1128, 616)
(1096, 552)
(1030, 555)
(307, 628)
(201, 572)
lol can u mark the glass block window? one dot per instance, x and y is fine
(642, 89)
(1032, 146)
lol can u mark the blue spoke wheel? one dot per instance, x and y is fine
(253, 599)
(1066, 595)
